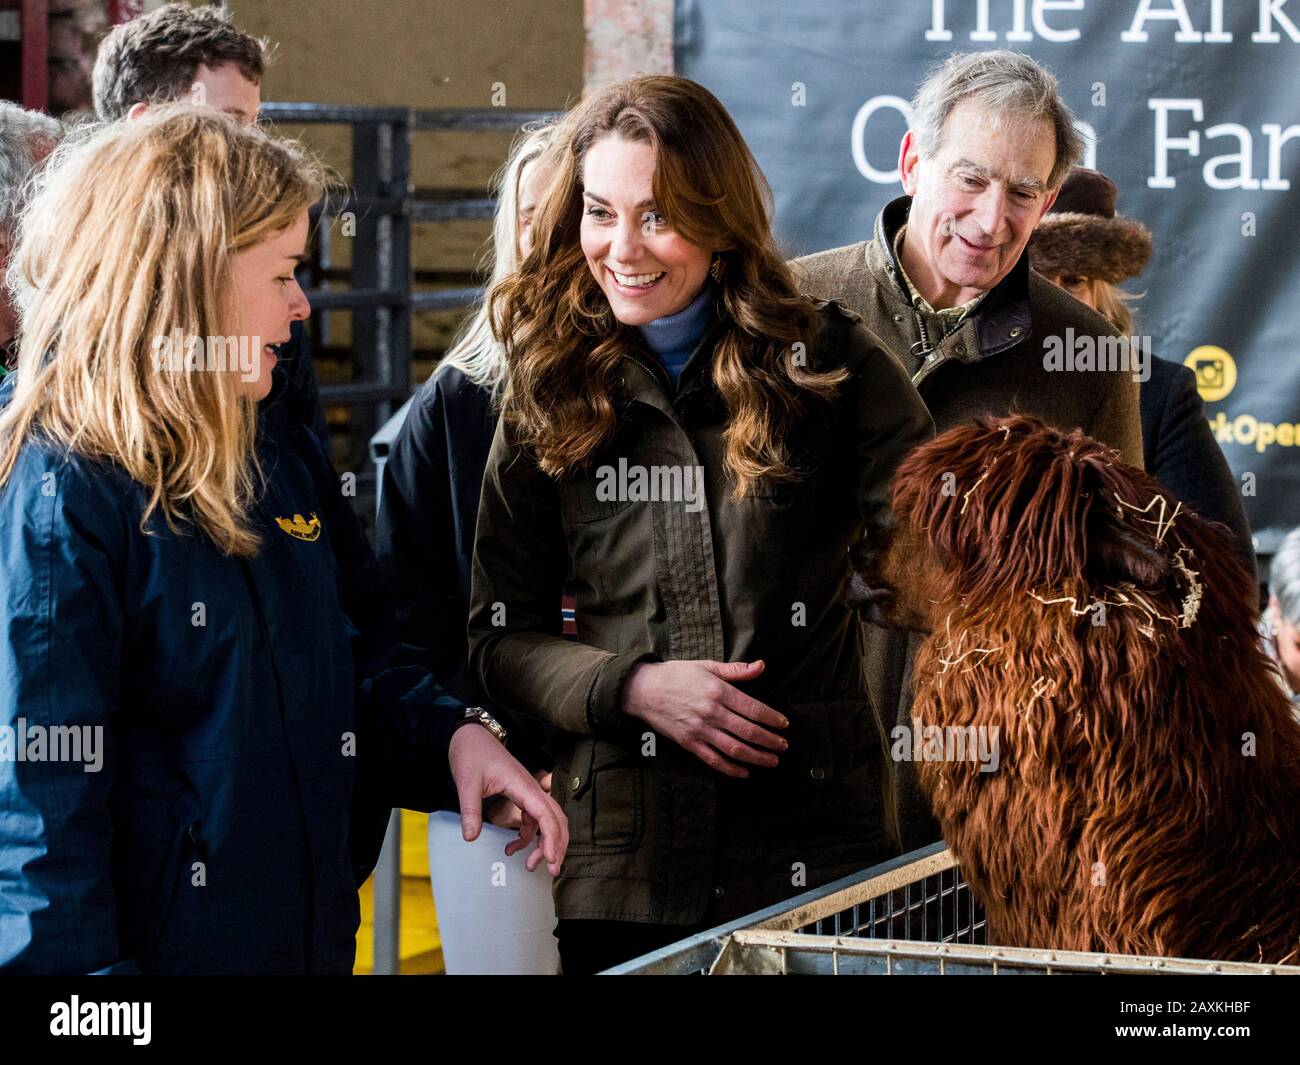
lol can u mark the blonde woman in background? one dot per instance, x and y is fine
(168, 592)
(1084, 247)
(489, 921)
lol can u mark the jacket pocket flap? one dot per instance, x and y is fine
(831, 734)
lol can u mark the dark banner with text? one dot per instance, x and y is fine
(1191, 106)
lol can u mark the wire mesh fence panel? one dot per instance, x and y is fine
(912, 915)
(938, 908)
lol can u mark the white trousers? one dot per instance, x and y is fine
(494, 916)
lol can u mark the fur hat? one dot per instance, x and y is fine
(1083, 235)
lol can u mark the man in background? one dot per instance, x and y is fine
(26, 139)
(945, 282)
(198, 55)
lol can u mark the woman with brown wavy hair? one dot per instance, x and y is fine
(699, 446)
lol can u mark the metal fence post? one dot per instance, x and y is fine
(388, 901)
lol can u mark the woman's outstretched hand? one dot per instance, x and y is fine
(505, 814)
(481, 767)
(696, 706)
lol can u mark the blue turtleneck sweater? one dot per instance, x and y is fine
(675, 336)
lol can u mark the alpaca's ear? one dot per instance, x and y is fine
(1117, 553)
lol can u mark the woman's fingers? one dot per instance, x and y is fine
(714, 760)
(729, 746)
(760, 713)
(552, 845)
(696, 704)
(527, 831)
(481, 767)
(746, 731)
(733, 672)
(546, 817)
(557, 843)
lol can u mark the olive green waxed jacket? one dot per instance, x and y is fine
(656, 835)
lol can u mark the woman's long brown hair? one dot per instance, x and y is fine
(564, 347)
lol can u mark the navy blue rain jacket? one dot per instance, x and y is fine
(424, 537)
(253, 740)
(1181, 453)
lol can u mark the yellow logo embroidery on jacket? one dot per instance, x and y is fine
(299, 528)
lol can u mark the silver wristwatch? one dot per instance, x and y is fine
(479, 716)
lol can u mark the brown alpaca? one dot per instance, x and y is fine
(1147, 799)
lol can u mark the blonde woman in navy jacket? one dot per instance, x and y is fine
(170, 597)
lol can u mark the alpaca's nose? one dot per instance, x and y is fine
(867, 596)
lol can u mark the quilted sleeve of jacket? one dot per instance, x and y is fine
(517, 652)
(63, 616)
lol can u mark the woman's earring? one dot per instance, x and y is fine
(716, 268)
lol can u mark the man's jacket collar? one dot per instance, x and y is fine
(1002, 319)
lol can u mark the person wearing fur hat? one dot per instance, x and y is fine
(1087, 249)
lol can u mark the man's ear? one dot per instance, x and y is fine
(909, 155)
(1050, 200)
(137, 109)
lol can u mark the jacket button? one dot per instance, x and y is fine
(575, 783)
(898, 317)
(817, 773)
(718, 892)
(960, 349)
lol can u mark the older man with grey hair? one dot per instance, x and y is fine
(26, 138)
(946, 283)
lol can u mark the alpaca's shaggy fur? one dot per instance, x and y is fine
(1148, 796)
